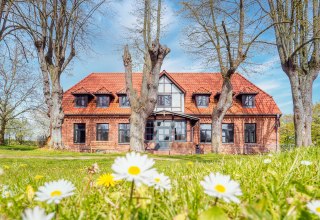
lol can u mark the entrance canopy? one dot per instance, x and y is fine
(166, 113)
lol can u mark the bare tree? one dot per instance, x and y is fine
(223, 32)
(5, 8)
(57, 29)
(18, 90)
(143, 104)
(298, 44)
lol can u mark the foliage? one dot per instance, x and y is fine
(279, 190)
(316, 125)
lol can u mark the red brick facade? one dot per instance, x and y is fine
(264, 114)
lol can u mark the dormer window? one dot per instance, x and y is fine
(164, 100)
(248, 101)
(124, 101)
(103, 101)
(202, 100)
(81, 101)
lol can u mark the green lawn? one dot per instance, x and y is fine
(279, 190)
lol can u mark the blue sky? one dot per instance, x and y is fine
(107, 56)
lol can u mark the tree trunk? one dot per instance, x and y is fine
(2, 132)
(137, 128)
(224, 103)
(56, 114)
(301, 87)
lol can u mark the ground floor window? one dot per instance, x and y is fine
(79, 135)
(250, 133)
(124, 133)
(227, 133)
(149, 130)
(180, 131)
(205, 133)
(102, 132)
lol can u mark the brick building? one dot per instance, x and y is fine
(97, 115)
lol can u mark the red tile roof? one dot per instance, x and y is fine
(190, 82)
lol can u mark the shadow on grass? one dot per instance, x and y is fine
(18, 147)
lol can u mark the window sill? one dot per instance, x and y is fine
(205, 142)
(228, 143)
(123, 143)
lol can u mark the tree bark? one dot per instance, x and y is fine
(137, 126)
(301, 86)
(56, 113)
(2, 132)
(224, 103)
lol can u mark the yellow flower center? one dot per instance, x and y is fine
(106, 180)
(157, 180)
(318, 209)
(220, 188)
(56, 193)
(134, 170)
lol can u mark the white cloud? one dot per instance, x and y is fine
(269, 85)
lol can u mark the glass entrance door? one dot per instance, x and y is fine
(164, 134)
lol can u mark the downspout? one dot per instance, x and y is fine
(277, 126)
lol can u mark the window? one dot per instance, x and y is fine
(248, 101)
(250, 133)
(164, 100)
(202, 100)
(103, 101)
(124, 101)
(81, 101)
(124, 133)
(227, 133)
(102, 132)
(79, 135)
(149, 130)
(180, 131)
(205, 133)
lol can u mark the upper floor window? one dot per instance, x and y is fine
(124, 101)
(202, 100)
(103, 101)
(227, 133)
(79, 135)
(205, 133)
(248, 101)
(164, 100)
(250, 133)
(81, 101)
(102, 132)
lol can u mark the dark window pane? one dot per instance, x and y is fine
(248, 101)
(149, 130)
(103, 101)
(102, 132)
(202, 100)
(164, 100)
(180, 130)
(250, 133)
(81, 101)
(79, 135)
(124, 133)
(227, 133)
(124, 101)
(205, 133)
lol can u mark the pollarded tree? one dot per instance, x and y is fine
(142, 104)
(58, 28)
(222, 33)
(298, 44)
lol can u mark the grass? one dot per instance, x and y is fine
(279, 190)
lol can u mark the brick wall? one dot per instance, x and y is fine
(266, 135)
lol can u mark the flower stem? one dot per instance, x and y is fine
(216, 201)
(152, 204)
(131, 193)
(57, 211)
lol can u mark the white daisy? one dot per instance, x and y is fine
(266, 161)
(1, 171)
(133, 167)
(314, 207)
(306, 162)
(36, 213)
(55, 191)
(6, 192)
(160, 182)
(270, 155)
(221, 186)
